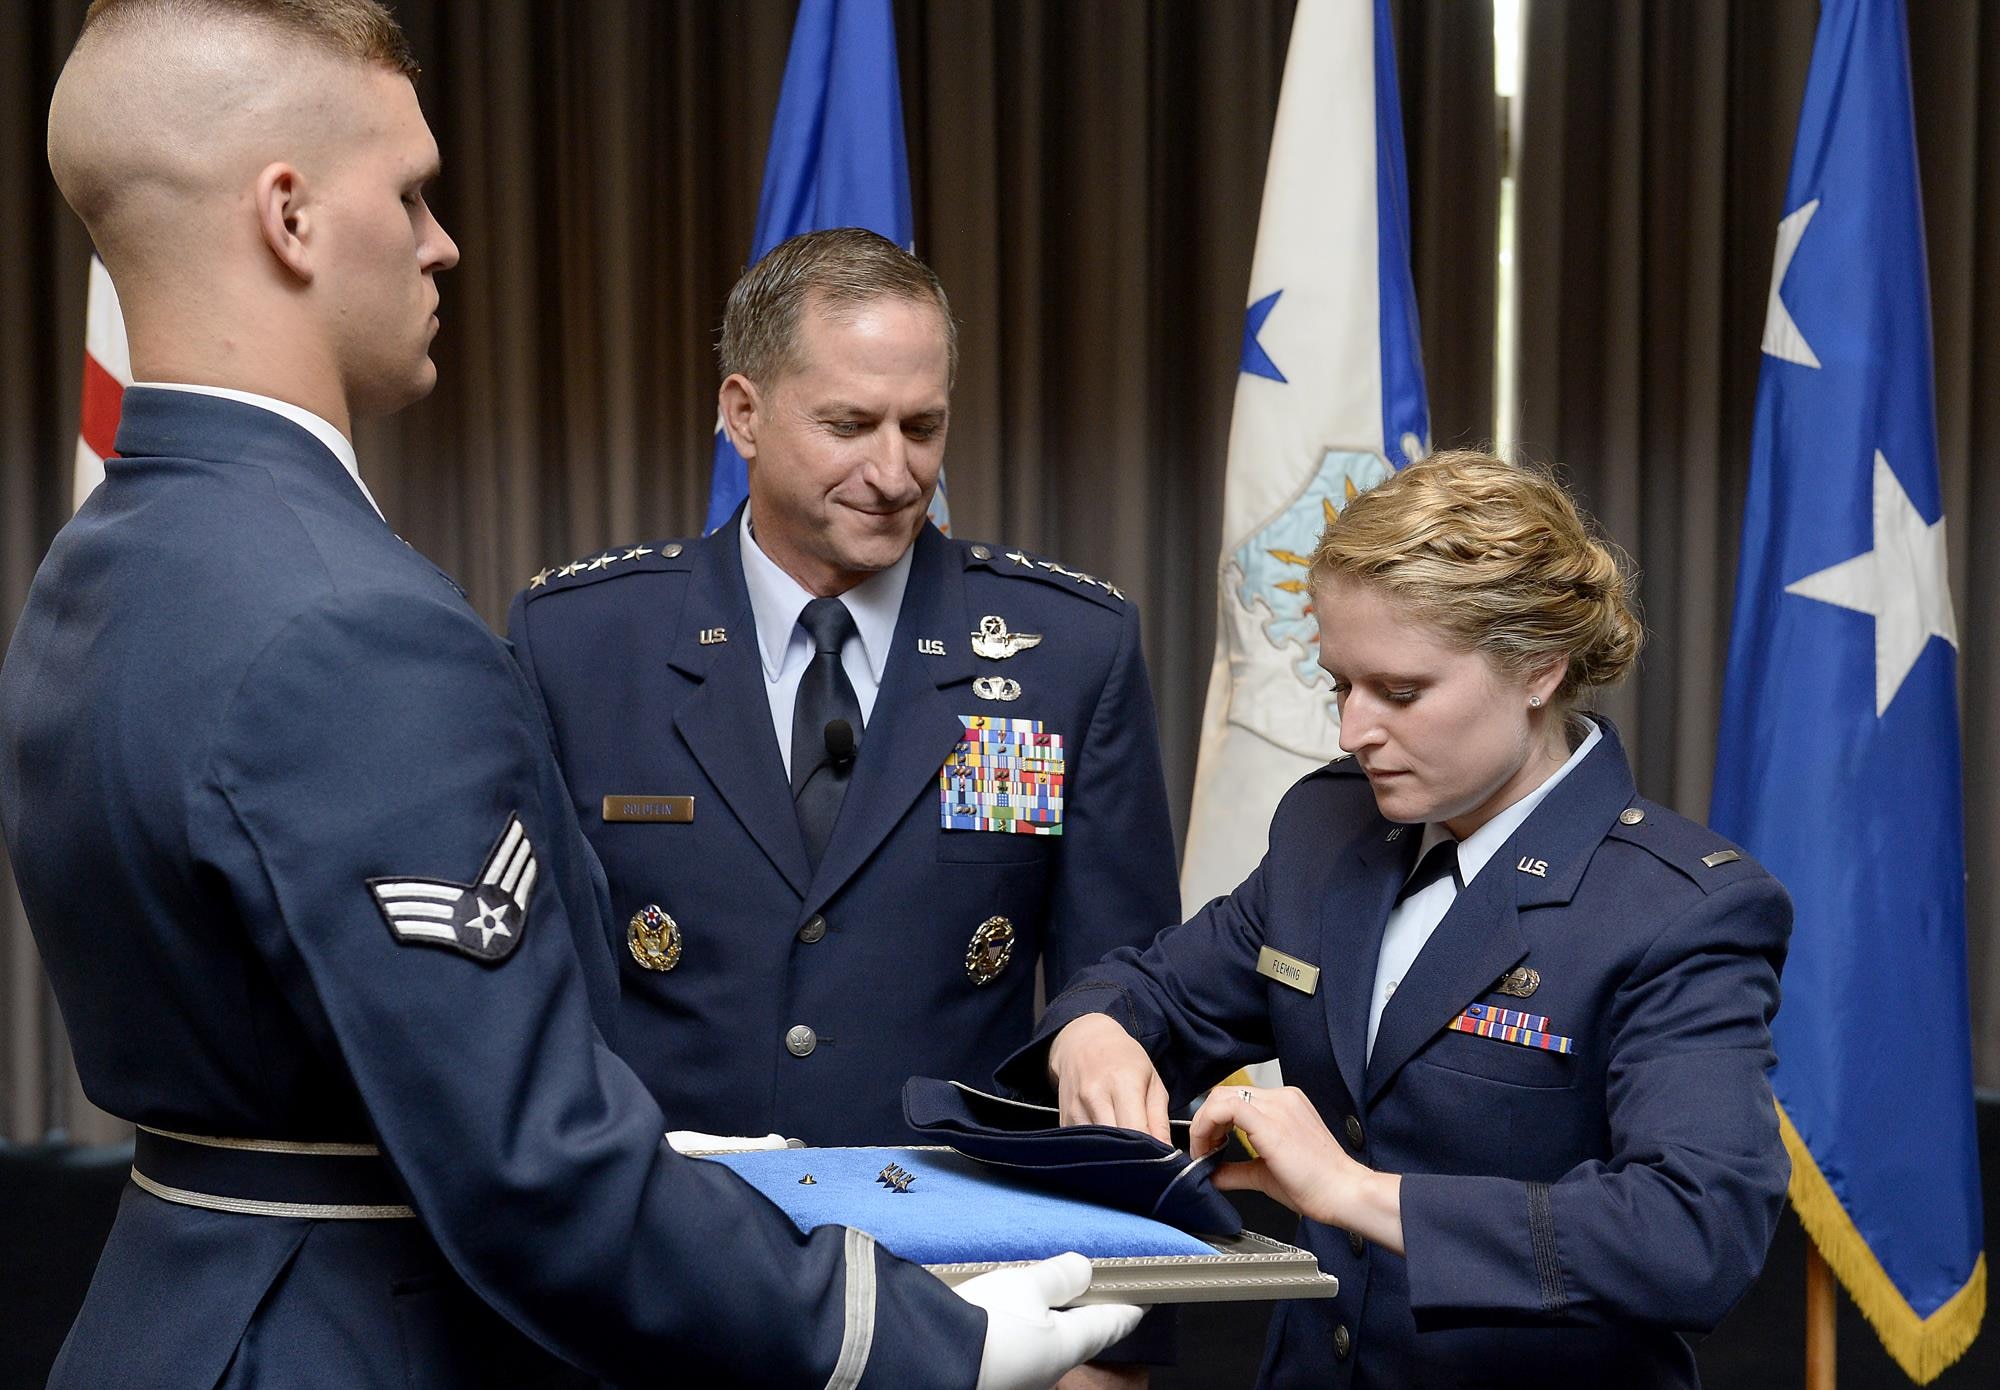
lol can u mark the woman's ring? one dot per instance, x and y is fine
(1245, 1095)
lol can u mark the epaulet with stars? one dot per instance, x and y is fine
(1700, 854)
(608, 564)
(1022, 565)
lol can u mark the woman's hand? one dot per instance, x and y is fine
(1299, 1162)
(1103, 1077)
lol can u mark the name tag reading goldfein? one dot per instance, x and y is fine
(671, 810)
(1288, 970)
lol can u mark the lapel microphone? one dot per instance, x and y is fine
(840, 743)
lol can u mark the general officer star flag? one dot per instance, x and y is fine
(1838, 764)
(1329, 397)
(837, 159)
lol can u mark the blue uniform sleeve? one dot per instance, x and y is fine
(1192, 999)
(1115, 883)
(1672, 1227)
(390, 739)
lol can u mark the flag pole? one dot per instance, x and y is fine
(1820, 1369)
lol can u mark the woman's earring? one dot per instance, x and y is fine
(1534, 702)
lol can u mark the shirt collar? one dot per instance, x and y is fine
(777, 599)
(337, 443)
(1483, 843)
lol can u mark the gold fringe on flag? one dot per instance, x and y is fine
(1923, 1347)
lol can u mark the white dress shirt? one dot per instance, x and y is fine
(337, 443)
(1412, 920)
(777, 599)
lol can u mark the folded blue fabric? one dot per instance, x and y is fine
(1118, 1167)
(955, 1211)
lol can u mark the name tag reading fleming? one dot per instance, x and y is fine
(1288, 970)
(672, 810)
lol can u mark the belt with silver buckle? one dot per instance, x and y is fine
(269, 1177)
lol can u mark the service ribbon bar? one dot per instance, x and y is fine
(1512, 1026)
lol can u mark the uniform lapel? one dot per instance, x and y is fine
(1353, 914)
(914, 725)
(727, 721)
(1481, 938)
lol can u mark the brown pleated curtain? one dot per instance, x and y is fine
(1086, 179)
(1655, 149)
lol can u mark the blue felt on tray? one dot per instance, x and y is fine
(956, 1211)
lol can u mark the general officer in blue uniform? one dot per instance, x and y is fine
(1524, 1013)
(851, 780)
(285, 821)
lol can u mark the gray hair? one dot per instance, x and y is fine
(836, 271)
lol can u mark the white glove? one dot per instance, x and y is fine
(1029, 1345)
(694, 1141)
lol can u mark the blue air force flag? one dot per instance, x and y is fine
(1329, 398)
(837, 159)
(1838, 764)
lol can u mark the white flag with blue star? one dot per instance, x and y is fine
(1329, 399)
(1838, 763)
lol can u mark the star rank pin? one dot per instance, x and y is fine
(483, 920)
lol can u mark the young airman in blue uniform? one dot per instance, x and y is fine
(302, 868)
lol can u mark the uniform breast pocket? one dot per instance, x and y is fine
(992, 847)
(1505, 1063)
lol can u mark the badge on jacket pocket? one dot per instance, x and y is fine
(1005, 775)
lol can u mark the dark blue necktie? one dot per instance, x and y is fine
(1438, 861)
(823, 756)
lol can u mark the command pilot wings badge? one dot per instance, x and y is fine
(994, 642)
(483, 920)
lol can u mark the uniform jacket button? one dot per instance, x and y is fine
(1343, 1342)
(813, 930)
(1354, 1134)
(1356, 1244)
(801, 1040)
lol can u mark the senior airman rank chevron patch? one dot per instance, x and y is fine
(483, 920)
(1006, 775)
(1511, 1025)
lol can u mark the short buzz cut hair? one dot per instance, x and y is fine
(361, 30)
(836, 271)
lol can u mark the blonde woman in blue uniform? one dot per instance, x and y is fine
(1524, 1013)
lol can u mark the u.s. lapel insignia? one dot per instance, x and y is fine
(1520, 982)
(483, 920)
(711, 636)
(930, 646)
(994, 642)
(655, 939)
(1538, 867)
(996, 688)
(991, 948)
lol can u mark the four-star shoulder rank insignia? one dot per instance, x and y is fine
(483, 920)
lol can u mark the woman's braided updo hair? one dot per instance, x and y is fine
(1497, 557)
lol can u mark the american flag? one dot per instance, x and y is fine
(107, 371)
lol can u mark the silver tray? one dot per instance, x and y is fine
(1244, 1267)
